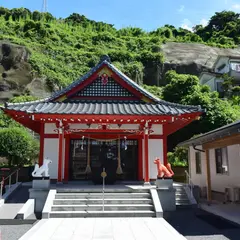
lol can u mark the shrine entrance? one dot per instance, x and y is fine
(88, 158)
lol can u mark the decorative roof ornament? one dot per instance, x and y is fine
(105, 58)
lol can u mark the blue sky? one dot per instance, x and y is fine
(146, 14)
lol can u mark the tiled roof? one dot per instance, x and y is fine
(115, 70)
(215, 134)
(127, 108)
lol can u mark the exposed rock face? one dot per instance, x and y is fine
(189, 58)
(15, 73)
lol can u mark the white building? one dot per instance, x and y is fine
(214, 162)
(224, 65)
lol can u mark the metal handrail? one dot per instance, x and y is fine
(10, 181)
(190, 183)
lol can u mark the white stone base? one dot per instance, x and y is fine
(164, 183)
(41, 184)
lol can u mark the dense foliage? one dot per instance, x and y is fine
(18, 146)
(185, 89)
(64, 49)
(179, 157)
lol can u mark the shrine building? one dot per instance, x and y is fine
(103, 120)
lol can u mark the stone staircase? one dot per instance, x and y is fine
(182, 199)
(89, 203)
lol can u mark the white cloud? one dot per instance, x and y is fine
(204, 22)
(187, 24)
(181, 9)
(236, 6)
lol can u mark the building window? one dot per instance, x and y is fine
(198, 162)
(221, 159)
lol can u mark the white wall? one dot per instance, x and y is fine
(155, 150)
(157, 129)
(218, 181)
(51, 152)
(197, 179)
(49, 128)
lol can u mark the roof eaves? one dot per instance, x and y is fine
(218, 133)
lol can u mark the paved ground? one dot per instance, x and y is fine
(230, 211)
(102, 229)
(193, 224)
(200, 225)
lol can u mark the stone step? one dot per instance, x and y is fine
(83, 214)
(181, 193)
(99, 201)
(99, 190)
(107, 207)
(183, 202)
(184, 198)
(100, 195)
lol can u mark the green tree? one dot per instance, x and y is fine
(179, 157)
(185, 89)
(18, 146)
(23, 98)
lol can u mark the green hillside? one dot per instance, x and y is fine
(64, 49)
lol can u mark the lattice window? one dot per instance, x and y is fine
(98, 89)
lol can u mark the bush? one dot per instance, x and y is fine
(178, 158)
(18, 146)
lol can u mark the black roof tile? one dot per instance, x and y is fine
(102, 108)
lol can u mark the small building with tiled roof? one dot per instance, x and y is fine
(103, 120)
(214, 162)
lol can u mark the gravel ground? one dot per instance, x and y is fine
(13, 229)
(13, 232)
(190, 223)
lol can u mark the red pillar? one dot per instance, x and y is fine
(140, 159)
(146, 137)
(41, 150)
(66, 162)
(165, 161)
(60, 153)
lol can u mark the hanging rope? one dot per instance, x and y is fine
(107, 140)
(119, 168)
(88, 168)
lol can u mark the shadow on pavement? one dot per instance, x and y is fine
(196, 222)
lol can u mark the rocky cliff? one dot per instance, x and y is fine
(17, 77)
(190, 58)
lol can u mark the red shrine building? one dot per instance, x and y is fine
(103, 120)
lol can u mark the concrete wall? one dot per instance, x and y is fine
(211, 84)
(219, 181)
